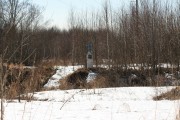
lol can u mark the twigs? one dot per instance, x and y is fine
(67, 100)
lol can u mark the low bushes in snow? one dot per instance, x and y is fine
(102, 78)
(114, 78)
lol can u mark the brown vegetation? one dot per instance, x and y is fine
(104, 78)
(26, 80)
(174, 94)
(75, 80)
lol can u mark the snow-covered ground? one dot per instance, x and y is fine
(126, 103)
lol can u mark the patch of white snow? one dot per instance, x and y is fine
(91, 76)
(62, 71)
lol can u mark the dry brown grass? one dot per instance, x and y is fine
(99, 82)
(174, 94)
(54, 62)
(76, 80)
(64, 85)
(12, 92)
(27, 80)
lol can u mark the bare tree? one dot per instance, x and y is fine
(72, 26)
(2, 88)
(14, 14)
(106, 17)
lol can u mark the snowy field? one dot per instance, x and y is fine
(125, 103)
(129, 103)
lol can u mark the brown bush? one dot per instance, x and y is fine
(26, 80)
(111, 78)
(75, 80)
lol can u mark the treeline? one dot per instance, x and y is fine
(147, 33)
(19, 19)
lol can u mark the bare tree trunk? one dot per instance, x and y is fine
(95, 51)
(72, 26)
(2, 86)
(137, 30)
(106, 10)
(153, 40)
